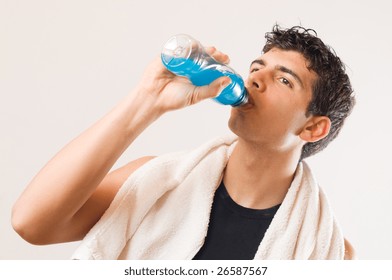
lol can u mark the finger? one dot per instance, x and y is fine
(211, 90)
(218, 55)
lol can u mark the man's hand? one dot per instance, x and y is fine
(173, 92)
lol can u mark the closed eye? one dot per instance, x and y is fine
(256, 65)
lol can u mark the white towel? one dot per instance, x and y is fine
(162, 212)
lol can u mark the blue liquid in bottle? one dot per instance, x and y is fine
(184, 56)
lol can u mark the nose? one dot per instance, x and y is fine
(255, 81)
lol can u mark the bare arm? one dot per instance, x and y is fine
(71, 192)
(349, 252)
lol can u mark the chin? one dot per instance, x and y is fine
(236, 125)
(237, 116)
(232, 120)
(242, 126)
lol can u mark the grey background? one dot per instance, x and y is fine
(64, 64)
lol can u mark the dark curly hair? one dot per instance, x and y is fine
(332, 92)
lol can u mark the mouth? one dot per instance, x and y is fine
(248, 105)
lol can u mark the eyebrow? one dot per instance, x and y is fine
(282, 69)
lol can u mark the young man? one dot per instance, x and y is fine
(252, 200)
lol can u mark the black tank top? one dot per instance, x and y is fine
(234, 232)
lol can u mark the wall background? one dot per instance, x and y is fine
(64, 64)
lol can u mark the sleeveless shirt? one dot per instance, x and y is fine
(234, 232)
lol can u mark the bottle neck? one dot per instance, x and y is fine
(243, 100)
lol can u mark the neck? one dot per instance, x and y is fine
(259, 178)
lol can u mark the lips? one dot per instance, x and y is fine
(249, 104)
(250, 99)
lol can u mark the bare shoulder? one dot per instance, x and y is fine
(349, 252)
(100, 200)
(115, 179)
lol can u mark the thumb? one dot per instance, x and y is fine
(211, 90)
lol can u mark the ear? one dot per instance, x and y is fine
(315, 129)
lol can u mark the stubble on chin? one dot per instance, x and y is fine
(235, 122)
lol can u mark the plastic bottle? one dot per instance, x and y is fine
(185, 56)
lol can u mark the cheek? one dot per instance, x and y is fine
(284, 115)
(296, 119)
(275, 108)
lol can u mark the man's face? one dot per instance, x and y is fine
(280, 88)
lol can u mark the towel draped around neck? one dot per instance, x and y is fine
(163, 209)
